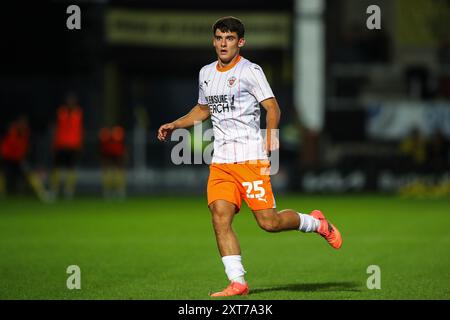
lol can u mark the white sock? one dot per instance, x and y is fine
(308, 223)
(234, 268)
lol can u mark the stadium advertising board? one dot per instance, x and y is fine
(394, 121)
(179, 29)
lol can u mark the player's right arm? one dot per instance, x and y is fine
(198, 113)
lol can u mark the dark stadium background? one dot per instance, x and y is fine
(43, 60)
(376, 82)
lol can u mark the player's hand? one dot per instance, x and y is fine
(272, 143)
(165, 131)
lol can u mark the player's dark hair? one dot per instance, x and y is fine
(229, 24)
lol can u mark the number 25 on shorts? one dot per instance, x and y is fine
(254, 189)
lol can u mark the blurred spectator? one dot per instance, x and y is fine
(419, 82)
(438, 151)
(67, 144)
(444, 87)
(443, 52)
(414, 148)
(357, 45)
(13, 149)
(113, 153)
(350, 49)
(377, 46)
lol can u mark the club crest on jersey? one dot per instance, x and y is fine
(231, 81)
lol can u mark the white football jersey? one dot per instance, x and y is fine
(233, 95)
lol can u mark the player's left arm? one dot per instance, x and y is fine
(272, 121)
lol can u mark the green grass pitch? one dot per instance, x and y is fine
(164, 248)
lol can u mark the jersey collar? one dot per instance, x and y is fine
(230, 66)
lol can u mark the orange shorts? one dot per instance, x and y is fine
(236, 181)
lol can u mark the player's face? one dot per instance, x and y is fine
(227, 45)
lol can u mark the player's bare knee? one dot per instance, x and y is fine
(220, 220)
(221, 217)
(221, 210)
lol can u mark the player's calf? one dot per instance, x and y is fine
(271, 224)
(272, 221)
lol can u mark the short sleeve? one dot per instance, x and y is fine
(258, 85)
(201, 91)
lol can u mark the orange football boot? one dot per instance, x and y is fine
(327, 230)
(234, 289)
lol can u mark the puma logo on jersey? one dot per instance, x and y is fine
(262, 199)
